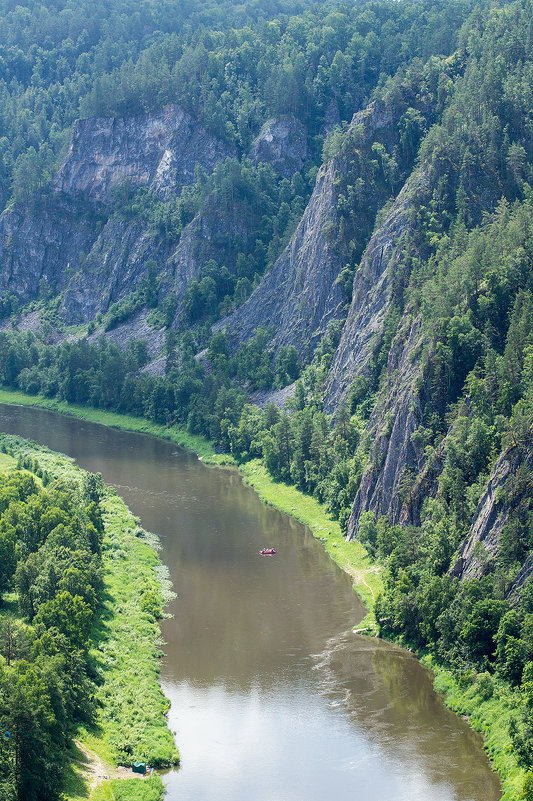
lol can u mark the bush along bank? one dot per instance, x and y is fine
(369, 581)
(350, 556)
(81, 589)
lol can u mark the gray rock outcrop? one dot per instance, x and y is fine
(372, 291)
(65, 241)
(114, 267)
(42, 245)
(208, 236)
(394, 457)
(492, 514)
(157, 150)
(282, 143)
(300, 294)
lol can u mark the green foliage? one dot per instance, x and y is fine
(45, 688)
(49, 656)
(151, 789)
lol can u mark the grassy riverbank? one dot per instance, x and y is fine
(490, 716)
(350, 556)
(191, 442)
(130, 708)
(489, 704)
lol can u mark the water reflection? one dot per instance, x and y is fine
(273, 697)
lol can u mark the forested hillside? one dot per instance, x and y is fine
(305, 232)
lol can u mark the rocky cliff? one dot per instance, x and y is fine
(372, 290)
(507, 496)
(394, 458)
(114, 267)
(301, 293)
(158, 150)
(42, 244)
(217, 233)
(65, 241)
(282, 143)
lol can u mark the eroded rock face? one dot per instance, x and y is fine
(492, 514)
(158, 150)
(208, 236)
(372, 291)
(41, 246)
(282, 143)
(114, 267)
(65, 241)
(397, 416)
(299, 295)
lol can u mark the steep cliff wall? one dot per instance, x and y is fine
(157, 150)
(42, 245)
(114, 267)
(393, 457)
(282, 143)
(66, 241)
(508, 494)
(301, 293)
(218, 232)
(372, 288)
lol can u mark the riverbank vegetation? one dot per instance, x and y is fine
(81, 593)
(454, 81)
(350, 556)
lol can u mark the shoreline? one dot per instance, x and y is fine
(351, 557)
(131, 565)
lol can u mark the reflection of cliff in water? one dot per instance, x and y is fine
(385, 691)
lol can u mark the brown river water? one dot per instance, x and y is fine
(273, 697)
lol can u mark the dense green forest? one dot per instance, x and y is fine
(63, 568)
(50, 553)
(455, 81)
(230, 65)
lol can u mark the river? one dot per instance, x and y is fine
(273, 697)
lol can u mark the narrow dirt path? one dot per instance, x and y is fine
(96, 771)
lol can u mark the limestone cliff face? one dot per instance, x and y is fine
(372, 291)
(158, 150)
(504, 495)
(301, 294)
(212, 234)
(42, 246)
(282, 143)
(114, 267)
(66, 239)
(394, 458)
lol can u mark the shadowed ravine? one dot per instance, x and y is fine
(273, 697)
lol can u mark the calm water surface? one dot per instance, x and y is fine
(273, 697)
